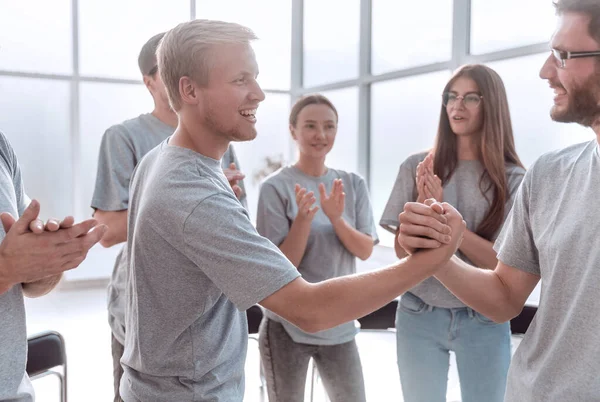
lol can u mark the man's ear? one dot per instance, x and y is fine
(188, 91)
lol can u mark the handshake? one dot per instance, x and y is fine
(431, 229)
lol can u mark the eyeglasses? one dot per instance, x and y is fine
(561, 55)
(471, 101)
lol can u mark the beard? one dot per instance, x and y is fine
(583, 106)
(215, 121)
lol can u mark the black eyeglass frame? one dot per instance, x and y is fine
(563, 55)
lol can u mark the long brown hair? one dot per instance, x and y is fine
(497, 145)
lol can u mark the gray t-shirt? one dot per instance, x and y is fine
(196, 263)
(123, 146)
(325, 256)
(552, 231)
(14, 383)
(463, 192)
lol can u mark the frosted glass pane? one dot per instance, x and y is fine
(530, 100)
(36, 36)
(273, 28)
(331, 37)
(103, 105)
(272, 141)
(344, 154)
(112, 33)
(493, 22)
(430, 34)
(35, 119)
(404, 120)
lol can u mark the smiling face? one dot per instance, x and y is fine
(231, 96)
(576, 85)
(464, 107)
(315, 130)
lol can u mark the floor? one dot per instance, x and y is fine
(80, 315)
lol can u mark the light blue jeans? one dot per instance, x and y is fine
(425, 335)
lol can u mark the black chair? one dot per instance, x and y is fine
(45, 352)
(520, 323)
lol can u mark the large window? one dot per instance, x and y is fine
(331, 37)
(273, 28)
(403, 38)
(32, 41)
(500, 25)
(37, 126)
(112, 32)
(68, 71)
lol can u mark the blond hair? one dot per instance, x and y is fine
(185, 51)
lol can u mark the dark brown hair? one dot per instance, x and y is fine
(590, 8)
(497, 145)
(314, 99)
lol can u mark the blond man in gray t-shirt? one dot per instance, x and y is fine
(123, 146)
(550, 235)
(196, 262)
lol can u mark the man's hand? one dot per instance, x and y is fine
(26, 256)
(422, 227)
(429, 225)
(233, 177)
(333, 204)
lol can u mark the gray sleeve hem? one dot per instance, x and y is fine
(389, 224)
(268, 290)
(110, 207)
(522, 265)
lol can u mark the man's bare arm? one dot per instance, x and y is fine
(116, 221)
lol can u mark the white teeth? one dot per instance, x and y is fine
(250, 112)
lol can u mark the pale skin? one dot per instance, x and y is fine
(212, 115)
(500, 294)
(116, 221)
(36, 255)
(314, 133)
(429, 186)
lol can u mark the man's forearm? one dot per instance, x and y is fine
(481, 289)
(41, 287)
(479, 250)
(344, 299)
(116, 221)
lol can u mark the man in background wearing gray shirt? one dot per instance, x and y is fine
(196, 262)
(32, 259)
(123, 146)
(551, 234)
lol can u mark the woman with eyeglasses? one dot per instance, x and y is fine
(474, 167)
(321, 219)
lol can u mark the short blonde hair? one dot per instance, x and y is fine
(185, 51)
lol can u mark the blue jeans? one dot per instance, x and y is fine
(425, 336)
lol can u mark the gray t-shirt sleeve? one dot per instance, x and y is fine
(365, 223)
(245, 266)
(515, 244)
(116, 163)
(404, 190)
(271, 218)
